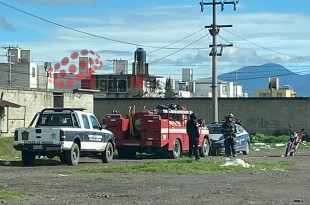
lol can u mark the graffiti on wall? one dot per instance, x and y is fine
(264, 123)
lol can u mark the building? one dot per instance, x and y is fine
(203, 88)
(274, 90)
(18, 71)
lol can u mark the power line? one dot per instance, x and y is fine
(87, 33)
(178, 50)
(284, 54)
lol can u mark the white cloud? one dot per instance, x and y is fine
(6, 25)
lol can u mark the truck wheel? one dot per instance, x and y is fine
(205, 148)
(73, 155)
(28, 157)
(176, 152)
(107, 154)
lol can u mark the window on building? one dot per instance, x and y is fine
(122, 86)
(263, 95)
(33, 72)
(279, 94)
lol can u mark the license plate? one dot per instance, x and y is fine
(37, 147)
(149, 143)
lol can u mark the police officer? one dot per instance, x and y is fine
(193, 134)
(229, 132)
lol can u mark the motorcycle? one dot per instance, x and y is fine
(292, 145)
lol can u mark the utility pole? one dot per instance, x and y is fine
(9, 55)
(214, 31)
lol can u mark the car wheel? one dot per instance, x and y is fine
(28, 157)
(107, 154)
(73, 155)
(205, 148)
(247, 149)
(176, 152)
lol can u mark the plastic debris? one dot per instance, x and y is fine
(259, 144)
(280, 145)
(235, 162)
(63, 175)
(7, 163)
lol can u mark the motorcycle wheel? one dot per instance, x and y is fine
(287, 150)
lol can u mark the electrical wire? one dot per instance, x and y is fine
(265, 48)
(84, 32)
(178, 50)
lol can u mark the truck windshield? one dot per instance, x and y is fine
(55, 120)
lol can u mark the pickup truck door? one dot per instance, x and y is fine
(92, 137)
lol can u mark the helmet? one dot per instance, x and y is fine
(193, 116)
(230, 115)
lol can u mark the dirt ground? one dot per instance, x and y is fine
(59, 184)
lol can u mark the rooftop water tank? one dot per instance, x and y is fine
(140, 55)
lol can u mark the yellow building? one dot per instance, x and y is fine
(274, 90)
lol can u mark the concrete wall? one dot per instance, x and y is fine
(263, 115)
(33, 101)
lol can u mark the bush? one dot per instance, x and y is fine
(259, 137)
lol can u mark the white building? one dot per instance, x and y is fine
(203, 88)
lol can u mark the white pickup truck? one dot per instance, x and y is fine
(66, 133)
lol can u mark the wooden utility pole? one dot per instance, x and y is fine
(214, 31)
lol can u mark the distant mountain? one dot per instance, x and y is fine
(256, 77)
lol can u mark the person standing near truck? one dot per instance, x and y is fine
(229, 131)
(193, 134)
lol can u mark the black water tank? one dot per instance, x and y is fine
(140, 55)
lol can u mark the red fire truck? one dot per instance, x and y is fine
(154, 131)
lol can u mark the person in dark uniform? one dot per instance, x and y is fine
(238, 121)
(229, 132)
(193, 134)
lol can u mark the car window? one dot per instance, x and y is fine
(94, 122)
(85, 122)
(215, 129)
(75, 121)
(239, 128)
(55, 120)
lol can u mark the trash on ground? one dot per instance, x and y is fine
(259, 144)
(7, 163)
(63, 175)
(235, 162)
(280, 145)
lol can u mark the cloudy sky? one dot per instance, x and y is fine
(171, 32)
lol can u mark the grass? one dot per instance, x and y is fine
(187, 166)
(11, 195)
(7, 152)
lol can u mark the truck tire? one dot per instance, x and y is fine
(28, 157)
(205, 148)
(73, 155)
(107, 154)
(176, 152)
